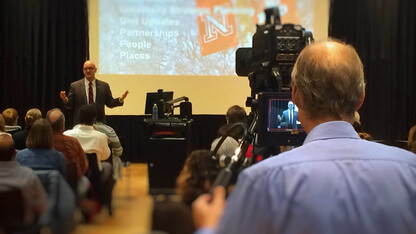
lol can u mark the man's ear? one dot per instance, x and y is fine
(361, 101)
(296, 96)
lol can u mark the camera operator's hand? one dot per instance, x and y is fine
(207, 209)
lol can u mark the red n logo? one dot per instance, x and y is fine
(217, 31)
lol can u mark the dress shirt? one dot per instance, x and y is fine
(334, 183)
(24, 178)
(87, 86)
(42, 159)
(92, 141)
(72, 151)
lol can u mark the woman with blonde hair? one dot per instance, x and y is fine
(19, 137)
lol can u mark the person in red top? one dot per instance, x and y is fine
(68, 146)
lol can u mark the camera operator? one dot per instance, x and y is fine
(335, 182)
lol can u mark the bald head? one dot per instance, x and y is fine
(89, 70)
(330, 79)
(7, 149)
(57, 120)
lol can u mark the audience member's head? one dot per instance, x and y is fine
(7, 150)
(87, 114)
(329, 80)
(2, 124)
(411, 140)
(31, 116)
(40, 135)
(197, 175)
(10, 116)
(57, 120)
(236, 114)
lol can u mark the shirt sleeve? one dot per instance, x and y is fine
(105, 150)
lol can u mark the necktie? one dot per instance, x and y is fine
(290, 117)
(90, 94)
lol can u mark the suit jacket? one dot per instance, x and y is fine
(77, 97)
(285, 120)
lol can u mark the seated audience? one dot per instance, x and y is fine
(39, 154)
(411, 140)
(93, 141)
(69, 147)
(11, 117)
(19, 137)
(115, 146)
(2, 126)
(359, 128)
(235, 114)
(24, 178)
(335, 182)
(199, 172)
(174, 216)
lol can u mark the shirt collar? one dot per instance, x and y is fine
(331, 130)
(87, 82)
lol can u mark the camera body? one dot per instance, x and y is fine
(268, 66)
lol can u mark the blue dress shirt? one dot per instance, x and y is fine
(334, 183)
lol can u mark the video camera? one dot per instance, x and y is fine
(268, 65)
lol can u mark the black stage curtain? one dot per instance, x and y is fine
(383, 33)
(43, 44)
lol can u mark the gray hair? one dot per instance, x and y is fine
(330, 78)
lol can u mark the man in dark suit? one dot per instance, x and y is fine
(289, 117)
(90, 90)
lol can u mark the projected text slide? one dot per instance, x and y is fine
(183, 37)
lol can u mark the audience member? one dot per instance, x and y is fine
(359, 128)
(411, 140)
(19, 137)
(235, 114)
(93, 141)
(2, 126)
(68, 146)
(115, 146)
(39, 154)
(24, 178)
(334, 183)
(10, 118)
(174, 215)
(196, 177)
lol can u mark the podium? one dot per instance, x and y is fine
(168, 143)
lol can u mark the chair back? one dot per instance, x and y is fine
(93, 173)
(61, 202)
(72, 176)
(11, 209)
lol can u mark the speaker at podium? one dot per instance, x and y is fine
(168, 143)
